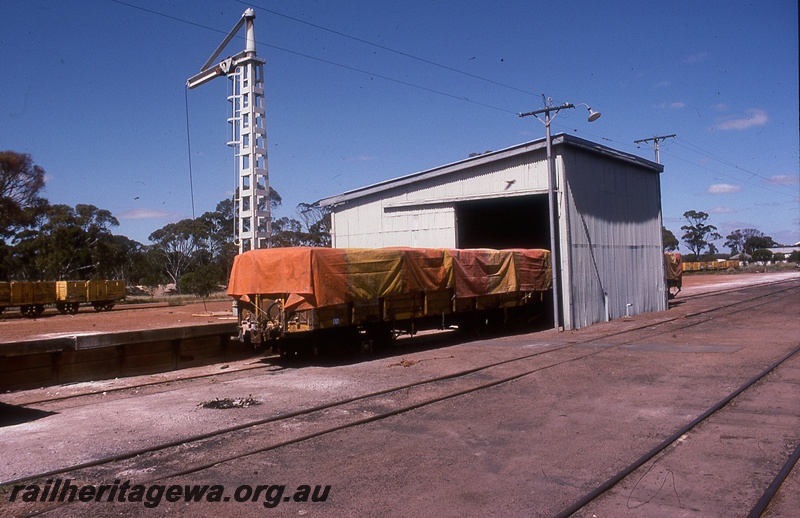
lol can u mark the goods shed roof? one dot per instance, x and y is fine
(527, 147)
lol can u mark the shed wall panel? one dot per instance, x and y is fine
(422, 214)
(614, 245)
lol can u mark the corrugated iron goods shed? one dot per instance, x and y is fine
(609, 255)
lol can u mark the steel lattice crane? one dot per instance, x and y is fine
(248, 134)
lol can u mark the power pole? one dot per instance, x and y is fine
(555, 259)
(553, 203)
(655, 141)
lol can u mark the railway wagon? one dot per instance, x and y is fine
(32, 297)
(101, 294)
(328, 294)
(673, 268)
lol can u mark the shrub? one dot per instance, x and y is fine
(202, 281)
(762, 254)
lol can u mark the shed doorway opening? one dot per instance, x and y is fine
(518, 222)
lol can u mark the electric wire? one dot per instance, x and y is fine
(682, 142)
(387, 49)
(189, 147)
(326, 61)
(705, 169)
(692, 147)
(387, 78)
(728, 175)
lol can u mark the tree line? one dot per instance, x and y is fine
(43, 241)
(699, 237)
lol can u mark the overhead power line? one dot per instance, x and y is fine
(333, 63)
(717, 172)
(387, 49)
(696, 149)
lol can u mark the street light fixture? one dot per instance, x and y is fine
(553, 203)
(593, 115)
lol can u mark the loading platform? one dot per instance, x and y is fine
(85, 356)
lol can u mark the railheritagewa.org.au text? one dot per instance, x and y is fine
(152, 495)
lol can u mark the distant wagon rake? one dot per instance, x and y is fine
(67, 296)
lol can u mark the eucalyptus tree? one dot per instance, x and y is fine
(178, 244)
(698, 235)
(668, 240)
(21, 181)
(748, 240)
(66, 243)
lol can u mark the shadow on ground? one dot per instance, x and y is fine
(12, 414)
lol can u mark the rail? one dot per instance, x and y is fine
(449, 386)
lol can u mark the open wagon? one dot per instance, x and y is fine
(329, 294)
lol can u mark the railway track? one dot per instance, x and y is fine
(165, 460)
(418, 344)
(634, 472)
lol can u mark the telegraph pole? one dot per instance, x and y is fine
(555, 260)
(553, 203)
(655, 141)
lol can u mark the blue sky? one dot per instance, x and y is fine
(363, 91)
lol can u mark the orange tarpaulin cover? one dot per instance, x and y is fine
(491, 272)
(673, 263)
(318, 277)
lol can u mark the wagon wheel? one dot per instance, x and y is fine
(98, 306)
(32, 311)
(63, 308)
(108, 307)
(73, 308)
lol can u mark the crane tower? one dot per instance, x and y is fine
(248, 134)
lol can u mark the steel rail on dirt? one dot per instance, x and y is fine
(383, 392)
(418, 341)
(672, 439)
(714, 293)
(384, 415)
(776, 484)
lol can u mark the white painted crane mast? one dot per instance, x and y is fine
(248, 134)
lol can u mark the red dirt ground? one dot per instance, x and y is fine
(129, 317)
(124, 317)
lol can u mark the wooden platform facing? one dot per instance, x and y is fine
(92, 356)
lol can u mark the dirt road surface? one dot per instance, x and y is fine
(516, 425)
